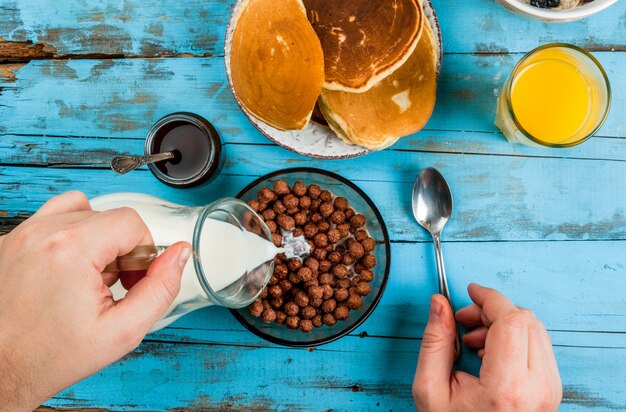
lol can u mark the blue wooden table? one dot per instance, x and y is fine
(82, 80)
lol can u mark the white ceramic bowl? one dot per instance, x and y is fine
(315, 140)
(549, 15)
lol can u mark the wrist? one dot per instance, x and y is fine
(15, 393)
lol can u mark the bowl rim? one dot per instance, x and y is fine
(367, 312)
(575, 13)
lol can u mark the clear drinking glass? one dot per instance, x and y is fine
(599, 93)
(170, 223)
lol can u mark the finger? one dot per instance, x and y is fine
(506, 346)
(436, 356)
(67, 202)
(470, 316)
(481, 353)
(494, 305)
(475, 339)
(113, 233)
(148, 300)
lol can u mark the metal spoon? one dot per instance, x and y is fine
(432, 207)
(124, 164)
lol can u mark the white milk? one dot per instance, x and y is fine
(226, 252)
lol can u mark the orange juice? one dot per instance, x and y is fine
(558, 95)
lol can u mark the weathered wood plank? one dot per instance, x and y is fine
(94, 152)
(495, 198)
(152, 28)
(123, 98)
(349, 374)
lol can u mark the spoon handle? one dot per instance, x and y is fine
(443, 289)
(124, 164)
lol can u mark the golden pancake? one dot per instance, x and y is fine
(276, 62)
(364, 41)
(399, 105)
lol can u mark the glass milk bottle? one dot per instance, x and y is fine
(233, 255)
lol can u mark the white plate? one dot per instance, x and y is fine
(315, 140)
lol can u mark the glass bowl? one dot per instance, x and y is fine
(361, 203)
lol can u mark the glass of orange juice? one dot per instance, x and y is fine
(558, 95)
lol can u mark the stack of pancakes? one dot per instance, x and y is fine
(370, 65)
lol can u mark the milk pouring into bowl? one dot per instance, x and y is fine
(232, 250)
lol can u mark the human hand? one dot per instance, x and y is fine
(58, 320)
(518, 372)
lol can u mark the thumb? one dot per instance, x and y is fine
(149, 298)
(436, 357)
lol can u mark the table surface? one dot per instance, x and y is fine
(83, 80)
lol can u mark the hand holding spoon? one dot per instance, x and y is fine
(124, 164)
(432, 207)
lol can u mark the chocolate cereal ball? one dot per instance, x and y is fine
(323, 226)
(342, 312)
(268, 315)
(275, 291)
(357, 221)
(306, 325)
(299, 189)
(280, 317)
(369, 261)
(271, 225)
(305, 274)
(310, 230)
(316, 302)
(321, 240)
(363, 288)
(334, 257)
(338, 217)
(286, 223)
(290, 201)
(326, 209)
(281, 271)
(354, 302)
(347, 260)
(340, 271)
(343, 283)
(256, 308)
(304, 203)
(360, 235)
(301, 299)
(341, 294)
(329, 319)
(291, 308)
(314, 191)
(285, 285)
(266, 195)
(292, 322)
(344, 230)
(312, 264)
(294, 264)
(317, 321)
(368, 244)
(300, 218)
(340, 203)
(329, 306)
(316, 292)
(277, 303)
(277, 239)
(327, 292)
(325, 265)
(356, 250)
(366, 275)
(316, 218)
(281, 187)
(325, 279)
(333, 236)
(325, 196)
(279, 207)
(308, 312)
(254, 205)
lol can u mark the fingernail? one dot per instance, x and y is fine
(435, 309)
(184, 256)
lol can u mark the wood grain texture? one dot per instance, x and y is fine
(152, 28)
(547, 227)
(123, 98)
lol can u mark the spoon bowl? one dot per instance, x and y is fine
(432, 200)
